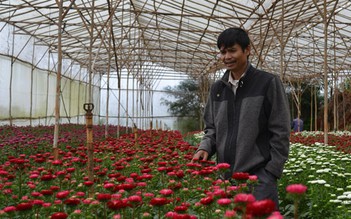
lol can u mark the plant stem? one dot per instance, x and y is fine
(295, 209)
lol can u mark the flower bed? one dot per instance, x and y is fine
(152, 177)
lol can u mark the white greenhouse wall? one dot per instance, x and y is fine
(28, 89)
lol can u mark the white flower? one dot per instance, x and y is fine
(346, 202)
(339, 189)
(341, 197)
(335, 201)
(320, 181)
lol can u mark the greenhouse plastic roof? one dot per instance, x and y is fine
(181, 34)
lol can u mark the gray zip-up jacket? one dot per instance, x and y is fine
(250, 129)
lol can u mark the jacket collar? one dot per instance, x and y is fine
(249, 72)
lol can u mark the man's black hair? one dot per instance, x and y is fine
(232, 36)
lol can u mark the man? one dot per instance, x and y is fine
(297, 125)
(247, 122)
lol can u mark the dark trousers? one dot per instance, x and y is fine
(267, 186)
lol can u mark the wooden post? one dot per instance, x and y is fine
(150, 128)
(58, 82)
(88, 107)
(325, 21)
(135, 131)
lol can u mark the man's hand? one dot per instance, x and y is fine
(200, 155)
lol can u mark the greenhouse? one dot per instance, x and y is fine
(86, 128)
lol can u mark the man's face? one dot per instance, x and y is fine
(234, 58)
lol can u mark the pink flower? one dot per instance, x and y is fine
(88, 183)
(38, 202)
(229, 214)
(148, 194)
(77, 211)
(33, 176)
(135, 199)
(253, 178)
(10, 208)
(62, 194)
(109, 186)
(223, 166)
(166, 192)
(244, 198)
(80, 194)
(206, 200)
(296, 189)
(276, 215)
(116, 216)
(46, 204)
(57, 162)
(171, 214)
(224, 201)
(36, 194)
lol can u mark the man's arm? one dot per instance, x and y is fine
(279, 126)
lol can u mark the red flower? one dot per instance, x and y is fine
(180, 174)
(46, 192)
(166, 192)
(54, 188)
(57, 162)
(88, 183)
(162, 163)
(70, 169)
(117, 204)
(109, 186)
(47, 177)
(24, 206)
(230, 214)
(59, 215)
(38, 202)
(180, 208)
(261, 208)
(244, 198)
(72, 201)
(224, 201)
(80, 194)
(207, 200)
(159, 201)
(128, 186)
(3, 173)
(36, 194)
(62, 194)
(240, 176)
(18, 161)
(275, 215)
(9, 209)
(103, 197)
(296, 189)
(223, 166)
(253, 178)
(136, 199)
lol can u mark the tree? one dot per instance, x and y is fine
(305, 91)
(186, 105)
